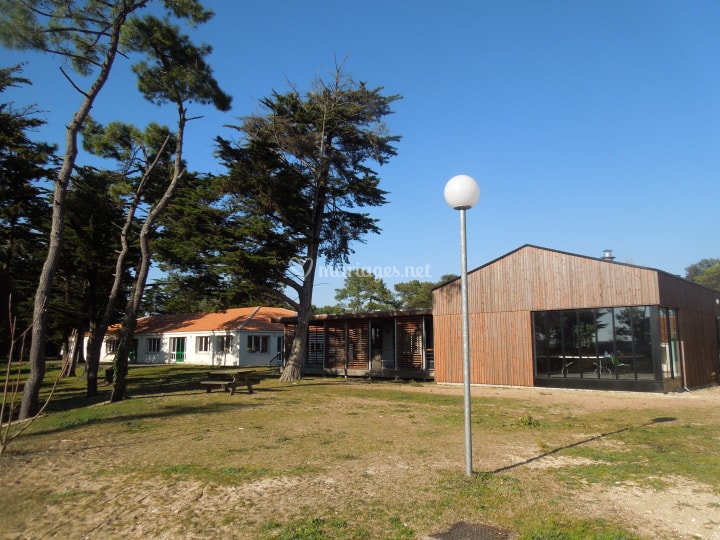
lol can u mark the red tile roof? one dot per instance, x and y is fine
(254, 319)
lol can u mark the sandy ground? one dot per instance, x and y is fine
(686, 510)
(96, 508)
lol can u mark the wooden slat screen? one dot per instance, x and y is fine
(335, 335)
(316, 345)
(410, 343)
(358, 344)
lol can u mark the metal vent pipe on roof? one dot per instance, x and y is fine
(607, 255)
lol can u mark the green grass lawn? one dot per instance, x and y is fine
(342, 458)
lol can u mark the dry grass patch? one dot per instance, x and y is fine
(335, 458)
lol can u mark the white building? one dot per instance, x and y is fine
(234, 337)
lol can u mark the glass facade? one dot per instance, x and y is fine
(606, 345)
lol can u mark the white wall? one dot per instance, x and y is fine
(239, 355)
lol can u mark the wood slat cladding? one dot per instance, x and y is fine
(698, 335)
(683, 294)
(335, 344)
(410, 343)
(532, 279)
(358, 344)
(697, 308)
(503, 294)
(506, 361)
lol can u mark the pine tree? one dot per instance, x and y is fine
(297, 186)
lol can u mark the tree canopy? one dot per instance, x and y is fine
(363, 291)
(705, 272)
(297, 185)
(24, 204)
(85, 35)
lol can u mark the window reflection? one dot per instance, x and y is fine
(605, 343)
(669, 343)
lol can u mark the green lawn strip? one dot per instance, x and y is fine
(325, 427)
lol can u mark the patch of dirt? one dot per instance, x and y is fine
(91, 505)
(686, 510)
(689, 509)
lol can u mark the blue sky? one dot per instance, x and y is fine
(589, 125)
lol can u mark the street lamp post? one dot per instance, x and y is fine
(462, 192)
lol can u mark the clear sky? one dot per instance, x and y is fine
(589, 125)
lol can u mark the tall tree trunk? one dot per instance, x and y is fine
(29, 402)
(98, 334)
(91, 369)
(120, 363)
(293, 367)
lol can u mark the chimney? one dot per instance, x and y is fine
(607, 255)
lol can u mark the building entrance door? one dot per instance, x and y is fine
(177, 349)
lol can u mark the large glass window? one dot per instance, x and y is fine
(225, 343)
(154, 345)
(633, 331)
(111, 345)
(605, 343)
(202, 344)
(258, 344)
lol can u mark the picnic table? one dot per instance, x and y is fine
(229, 379)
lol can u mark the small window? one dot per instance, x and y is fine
(258, 344)
(111, 346)
(202, 344)
(225, 343)
(154, 345)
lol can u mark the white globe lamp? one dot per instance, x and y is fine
(462, 192)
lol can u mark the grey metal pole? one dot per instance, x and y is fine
(466, 345)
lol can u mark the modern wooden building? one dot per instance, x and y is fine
(540, 317)
(373, 344)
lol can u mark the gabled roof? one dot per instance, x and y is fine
(253, 319)
(531, 246)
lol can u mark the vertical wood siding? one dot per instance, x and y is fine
(503, 293)
(698, 336)
(410, 343)
(533, 279)
(697, 312)
(358, 336)
(335, 344)
(506, 361)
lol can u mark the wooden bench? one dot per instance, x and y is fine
(229, 379)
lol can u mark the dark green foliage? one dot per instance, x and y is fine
(363, 291)
(165, 77)
(79, 30)
(91, 244)
(85, 35)
(415, 293)
(24, 206)
(297, 183)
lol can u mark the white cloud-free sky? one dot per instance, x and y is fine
(589, 125)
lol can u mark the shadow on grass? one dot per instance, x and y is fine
(143, 381)
(134, 419)
(659, 420)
